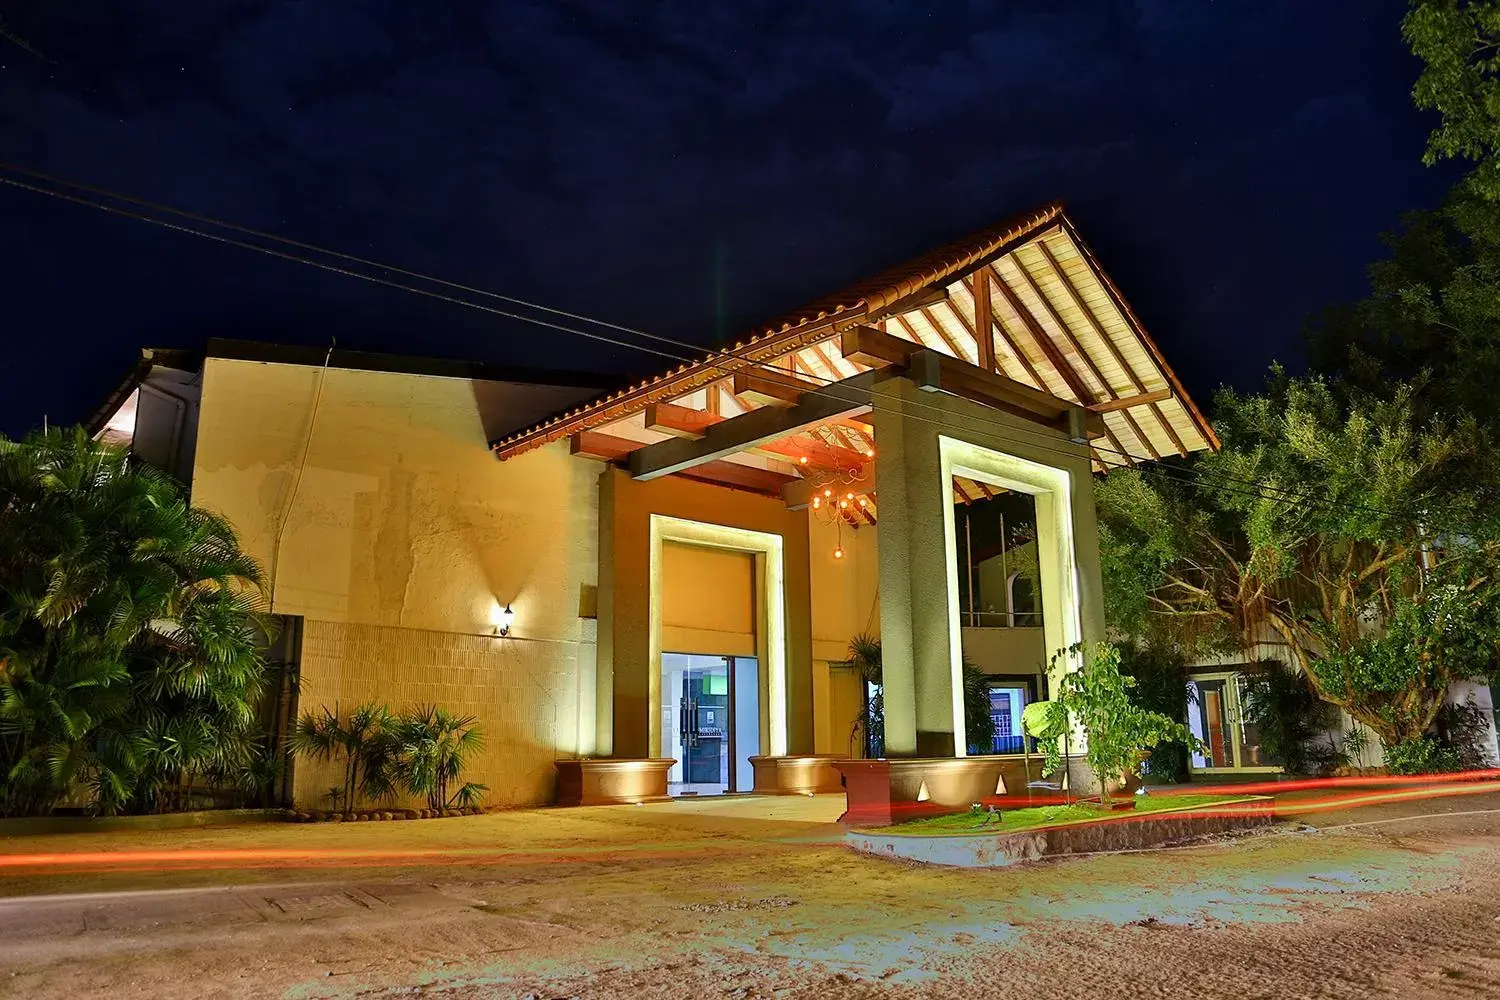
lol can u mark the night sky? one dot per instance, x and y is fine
(691, 168)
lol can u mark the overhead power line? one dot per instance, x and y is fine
(693, 352)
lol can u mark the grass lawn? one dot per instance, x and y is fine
(1014, 820)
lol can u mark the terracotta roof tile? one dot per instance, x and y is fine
(858, 300)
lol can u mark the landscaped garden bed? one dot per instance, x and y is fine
(982, 840)
(376, 815)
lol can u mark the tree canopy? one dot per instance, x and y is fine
(1349, 529)
(1351, 517)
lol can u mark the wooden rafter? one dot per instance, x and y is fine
(1133, 321)
(819, 455)
(1078, 351)
(831, 360)
(984, 324)
(1043, 341)
(1125, 402)
(1098, 328)
(1016, 356)
(953, 345)
(911, 332)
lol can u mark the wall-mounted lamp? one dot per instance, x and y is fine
(503, 620)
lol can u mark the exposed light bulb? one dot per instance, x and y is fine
(817, 502)
(848, 496)
(843, 504)
(803, 460)
(869, 453)
(828, 493)
(863, 502)
(838, 553)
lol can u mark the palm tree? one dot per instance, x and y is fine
(865, 657)
(435, 748)
(131, 631)
(367, 743)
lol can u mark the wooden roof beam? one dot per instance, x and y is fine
(818, 455)
(1125, 366)
(818, 405)
(765, 388)
(680, 421)
(937, 372)
(601, 446)
(996, 327)
(1078, 351)
(736, 476)
(1125, 402)
(984, 325)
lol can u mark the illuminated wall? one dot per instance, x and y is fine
(392, 529)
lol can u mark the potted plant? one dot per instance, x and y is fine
(1120, 735)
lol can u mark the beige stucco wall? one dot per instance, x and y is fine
(388, 524)
(845, 602)
(845, 592)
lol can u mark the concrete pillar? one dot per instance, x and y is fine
(916, 652)
(921, 439)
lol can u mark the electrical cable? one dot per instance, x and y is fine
(1046, 442)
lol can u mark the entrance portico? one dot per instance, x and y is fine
(1003, 364)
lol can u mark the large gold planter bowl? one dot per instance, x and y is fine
(805, 774)
(608, 781)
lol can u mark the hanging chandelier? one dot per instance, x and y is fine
(840, 490)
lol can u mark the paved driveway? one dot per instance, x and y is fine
(750, 898)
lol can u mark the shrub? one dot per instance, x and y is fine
(1161, 677)
(432, 748)
(1097, 695)
(422, 751)
(1423, 754)
(1290, 718)
(132, 635)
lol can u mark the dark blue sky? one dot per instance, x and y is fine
(689, 167)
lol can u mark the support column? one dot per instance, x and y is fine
(915, 636)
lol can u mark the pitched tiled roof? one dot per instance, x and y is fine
(857, 303)
(1077, 339)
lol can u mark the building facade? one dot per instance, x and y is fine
(674, 570)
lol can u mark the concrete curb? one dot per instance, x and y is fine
(1124, 832)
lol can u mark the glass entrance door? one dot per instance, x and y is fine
(703, 699)
(1216, 715)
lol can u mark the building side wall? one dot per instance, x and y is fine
(382, 518)
(1265, 644)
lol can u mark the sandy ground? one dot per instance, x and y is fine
(754, 898)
